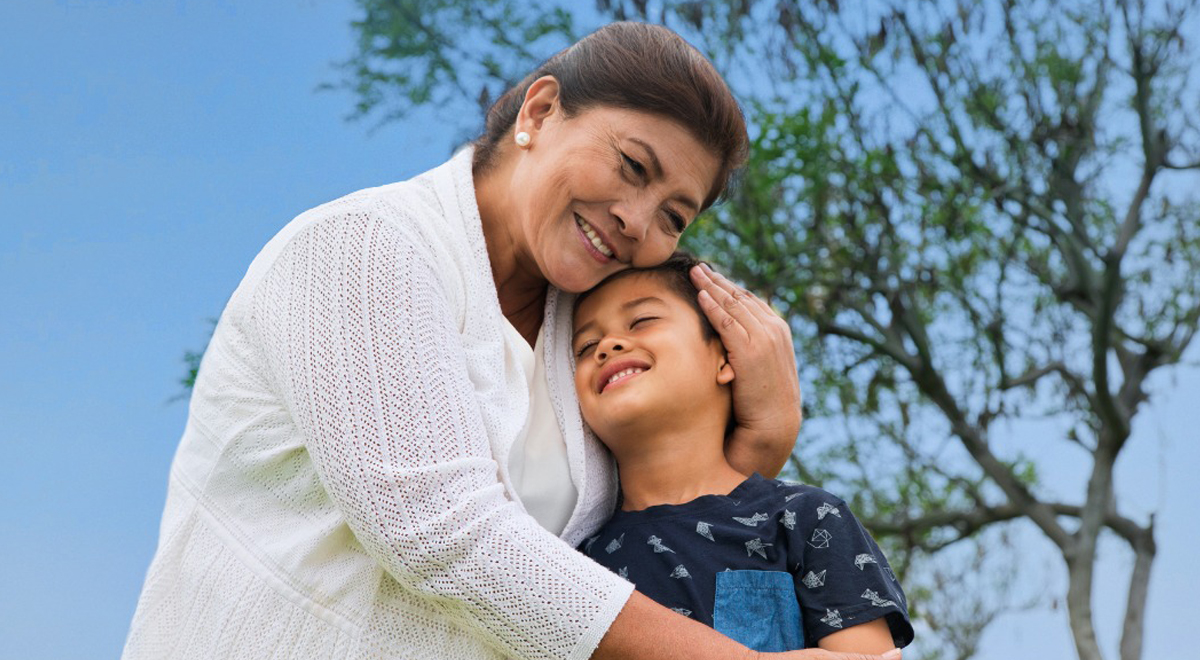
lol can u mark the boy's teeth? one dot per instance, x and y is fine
(591, 234)
(625, 372)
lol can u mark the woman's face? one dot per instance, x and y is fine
(605, 190)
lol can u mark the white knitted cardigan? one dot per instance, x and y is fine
(341, 489)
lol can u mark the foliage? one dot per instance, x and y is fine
(414, 53)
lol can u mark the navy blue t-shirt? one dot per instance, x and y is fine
(742, 562)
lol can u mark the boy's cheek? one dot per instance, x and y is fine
(581, 387)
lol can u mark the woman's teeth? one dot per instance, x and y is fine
(621, 374)
(593, 237)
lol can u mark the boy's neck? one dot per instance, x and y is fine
(674, 466)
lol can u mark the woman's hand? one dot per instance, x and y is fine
(766, 390)
(822, 654)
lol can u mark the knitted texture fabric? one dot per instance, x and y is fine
(341, 488)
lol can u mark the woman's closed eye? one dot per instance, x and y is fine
(678, 224)
(634, 166)
(674, 219)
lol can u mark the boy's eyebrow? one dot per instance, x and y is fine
(625, 305)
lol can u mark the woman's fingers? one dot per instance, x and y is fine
(736, 306)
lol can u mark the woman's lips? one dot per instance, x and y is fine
(582, 228)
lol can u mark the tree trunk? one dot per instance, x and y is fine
(1080, 569)
(1133, 630)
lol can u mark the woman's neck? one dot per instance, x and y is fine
(520, 285)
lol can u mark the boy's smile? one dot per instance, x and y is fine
(641, 358)
(618, 372)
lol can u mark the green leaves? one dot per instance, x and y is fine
(444, 52)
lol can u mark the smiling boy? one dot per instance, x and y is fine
(773, 565)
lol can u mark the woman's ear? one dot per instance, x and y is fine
(725, 373)
(541, 101)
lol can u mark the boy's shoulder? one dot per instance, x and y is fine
(794, 493)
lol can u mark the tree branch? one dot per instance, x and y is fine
(969, 521)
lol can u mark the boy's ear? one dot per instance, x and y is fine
(725, 373)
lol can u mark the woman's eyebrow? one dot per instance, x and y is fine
(657, 169)
(655, 165)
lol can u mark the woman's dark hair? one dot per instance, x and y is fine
(675, 274)
(634, 66)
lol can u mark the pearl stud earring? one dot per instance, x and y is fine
(522, 139)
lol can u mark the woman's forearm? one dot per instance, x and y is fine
(645, 629)
(764, 452)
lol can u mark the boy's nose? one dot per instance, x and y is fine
(605, 352)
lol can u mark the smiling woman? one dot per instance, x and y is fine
(384, 455)
(589, 195)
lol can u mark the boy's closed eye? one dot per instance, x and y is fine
(591, 343)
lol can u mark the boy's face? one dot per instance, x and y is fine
(640, 356)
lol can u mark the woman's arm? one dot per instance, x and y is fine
(870, 637)
(358, 337)
(766, 390)
(645, 629)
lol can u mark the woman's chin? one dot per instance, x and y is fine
(577, 277)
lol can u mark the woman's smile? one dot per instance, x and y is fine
(594, 242)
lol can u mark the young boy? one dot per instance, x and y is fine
(775, 566)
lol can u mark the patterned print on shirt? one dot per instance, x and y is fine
(623, 572)
(814, 580)
(877, 600)
(680, 572)
(820, 538)
(791, 497)
(862, 560)
(788, 519)
(753, 520)
(658, 544)
(704, 529)
(756, 546)
(826, 509)
(681, 610)
(615, 544)
(832, 618)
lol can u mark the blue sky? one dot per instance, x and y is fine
(147, 151)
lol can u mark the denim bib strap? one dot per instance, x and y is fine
(758, 609)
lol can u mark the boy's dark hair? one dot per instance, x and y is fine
(674, 273)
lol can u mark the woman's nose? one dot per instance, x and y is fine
(633, 218)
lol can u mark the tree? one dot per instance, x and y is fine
(962, 207)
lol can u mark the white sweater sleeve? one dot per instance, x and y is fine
(358, 336)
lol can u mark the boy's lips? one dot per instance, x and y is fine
(616, 367)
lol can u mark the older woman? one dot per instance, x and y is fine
(384, 456)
